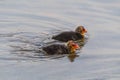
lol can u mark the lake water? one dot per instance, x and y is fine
(26, 23)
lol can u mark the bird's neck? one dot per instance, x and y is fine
(72, 50)
(82, 34)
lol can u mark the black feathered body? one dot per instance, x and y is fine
(56, 49)
(66, 36)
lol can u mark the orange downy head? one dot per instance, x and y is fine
(81, 30)
(72, 46)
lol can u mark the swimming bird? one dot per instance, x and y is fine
(68, 48)
(71, 35)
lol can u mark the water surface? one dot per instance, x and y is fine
(27, 23)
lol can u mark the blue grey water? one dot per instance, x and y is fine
(24, 24)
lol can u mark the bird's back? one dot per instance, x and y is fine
(56, 49)
(66, 36)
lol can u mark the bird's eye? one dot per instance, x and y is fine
(83, 29)
(73, 44)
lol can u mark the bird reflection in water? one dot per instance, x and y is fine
(72, 57)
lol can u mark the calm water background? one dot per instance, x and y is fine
(26, 23)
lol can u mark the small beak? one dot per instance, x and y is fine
(76, 46)
(84, 30)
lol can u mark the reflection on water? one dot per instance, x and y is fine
(72, 57)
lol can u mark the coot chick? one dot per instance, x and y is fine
(71, 35)
(71, 47)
